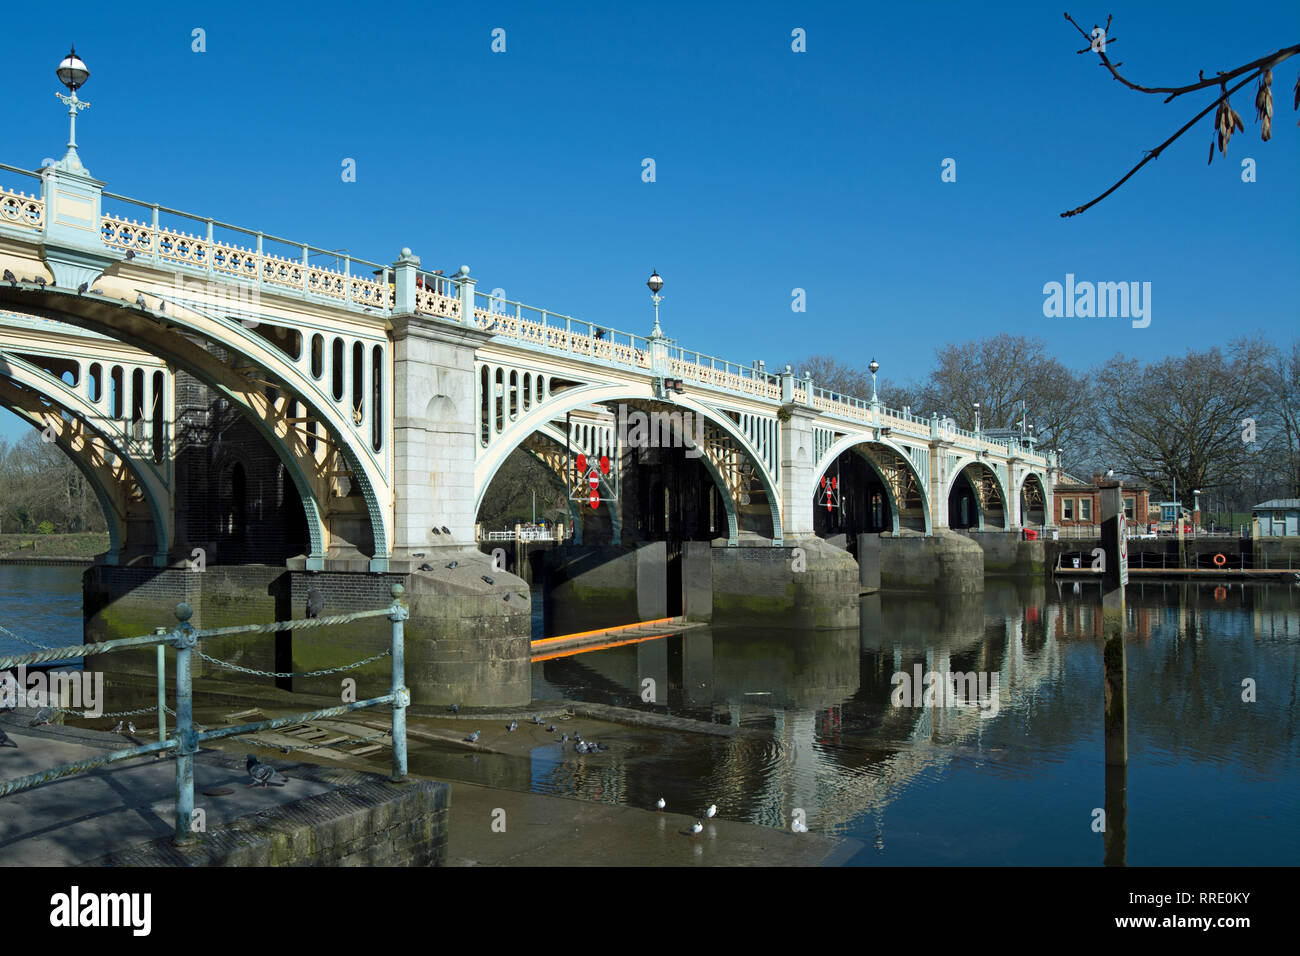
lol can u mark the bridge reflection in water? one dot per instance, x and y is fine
(1211, 779)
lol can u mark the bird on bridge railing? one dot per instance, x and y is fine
(81, 289)
(130, 254)
(11, 278)
(139, 301)
(40, 281)
(315, 602)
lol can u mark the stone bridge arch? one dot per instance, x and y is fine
(724, 444)
(986, 481)
(893, 464)
(300, 422)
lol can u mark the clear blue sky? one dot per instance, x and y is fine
(775, 169)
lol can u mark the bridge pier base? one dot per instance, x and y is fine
(467, 641)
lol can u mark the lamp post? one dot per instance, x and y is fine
(977, 419)
(72, 73)
(656, 282)
(874, 367)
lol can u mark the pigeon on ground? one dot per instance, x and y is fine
(550, 729)
(263, 773)
(120, 725)
(130, 727)
(538, 720)
(578, 737)
(417, 554)
(5, 740)
(446, 530)
(661, 803)
(488, 579)
(81, 289)
(454, 708)
(696, 827)
(473, 738)
(436, 531)
(426, 566)
(43, 716)
(514, 725)
(713, 808)
(11, 278)
(315, 602)
(564, 738)
(140, 303)
(453, 566)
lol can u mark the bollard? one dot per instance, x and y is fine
(187, 745)
(401, 696)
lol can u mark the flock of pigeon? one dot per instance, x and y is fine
(580, 746)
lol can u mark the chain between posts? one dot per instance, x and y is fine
(329, 670)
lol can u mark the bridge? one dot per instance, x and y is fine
(270, 401)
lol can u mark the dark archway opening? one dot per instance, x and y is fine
(859, 502)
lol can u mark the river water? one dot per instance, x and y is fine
(1015, 776)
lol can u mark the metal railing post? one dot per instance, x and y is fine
(162, 686)
(401, 696)
(187, 743)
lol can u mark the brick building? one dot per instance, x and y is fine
(1077, 503)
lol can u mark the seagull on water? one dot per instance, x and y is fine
(661, 803)
(263, 773)
(713, 809)
(696, 828)
(580, 747)
(799, 826)
(43, 716)
(473, 738)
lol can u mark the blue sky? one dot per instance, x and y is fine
(775, 170)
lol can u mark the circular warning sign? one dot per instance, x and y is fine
(593, 481)
(582, 464)
(604, 464)
(594, 500)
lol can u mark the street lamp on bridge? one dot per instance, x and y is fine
(656, 282)
(72, 73)
(874, 367)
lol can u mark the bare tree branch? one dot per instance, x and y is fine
(1254, 70)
